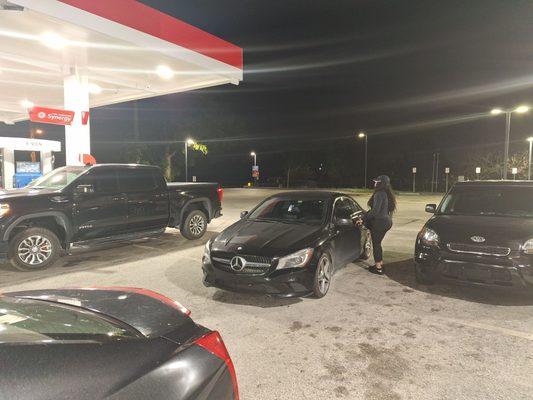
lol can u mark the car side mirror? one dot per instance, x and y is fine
(343, 223)
(244, 214)
(84, 189)
(431, 208)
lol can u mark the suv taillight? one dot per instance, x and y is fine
(213, 343)
(220, 193)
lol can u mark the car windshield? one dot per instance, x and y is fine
(24, 320)
(58, 178)
(310, 211)
(491, 201)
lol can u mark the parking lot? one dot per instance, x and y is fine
(371, 337)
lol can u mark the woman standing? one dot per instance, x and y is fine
(379, 219)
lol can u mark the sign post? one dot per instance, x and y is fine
(478, 171)
(414, 179)
(447, 173)
(255, 172)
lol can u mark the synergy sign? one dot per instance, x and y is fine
(51, 116)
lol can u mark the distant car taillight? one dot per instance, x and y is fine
(213, 343)
(220, 193)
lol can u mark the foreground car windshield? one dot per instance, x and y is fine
(23, 320)
(509, 201)
(291, 210)
(58, 178)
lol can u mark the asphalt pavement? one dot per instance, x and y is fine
(371, 337)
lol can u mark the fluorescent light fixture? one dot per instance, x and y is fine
(164, 72)
(496, 111)
(94, 88)
(521, 109)
(26, 104)
(53, 40)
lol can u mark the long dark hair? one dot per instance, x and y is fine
(387, 188)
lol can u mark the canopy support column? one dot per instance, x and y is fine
(77, 135)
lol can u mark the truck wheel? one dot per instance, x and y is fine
(194, 225)
(33, 249)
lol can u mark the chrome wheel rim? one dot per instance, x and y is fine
(34, 250)
(324, 274)
(196, 225)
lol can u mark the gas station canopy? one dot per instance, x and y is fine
(79, 54)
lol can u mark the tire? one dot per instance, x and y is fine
(367, 252)
(194, 225)
(34, 249)
(323, 275)
(422, 277)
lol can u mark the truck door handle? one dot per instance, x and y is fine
(59, 199)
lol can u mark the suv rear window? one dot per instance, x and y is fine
(492, 201)
(25, 320)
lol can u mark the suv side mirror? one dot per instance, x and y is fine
(431, 208)
(84, 189)
(244, 214)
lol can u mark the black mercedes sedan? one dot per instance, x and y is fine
(115, 342)
(291, 244)
(482, 233)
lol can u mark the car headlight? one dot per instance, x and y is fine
(4, 209)
(429, 237)
(295, 260)
(207, 251)
(527, 247)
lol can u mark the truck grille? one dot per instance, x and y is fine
(479, 249)
(255, 265)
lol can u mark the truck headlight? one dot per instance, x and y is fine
(295, 260)
(429, 237)
(527, 247)
(4, 209)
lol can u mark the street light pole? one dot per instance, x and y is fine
(497, 111)
(506, 147)
(364, 136)
(530, 140)
(188, 142)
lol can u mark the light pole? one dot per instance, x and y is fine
(362, 135)
(188, 142)
(254, 155)
(530, 140)
(497, 111)
(255, 169)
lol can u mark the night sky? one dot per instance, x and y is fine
(417, 76)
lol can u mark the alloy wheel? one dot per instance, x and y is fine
(324, 274)
(34, 250)
(197, 225)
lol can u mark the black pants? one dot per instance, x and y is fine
(378, 229)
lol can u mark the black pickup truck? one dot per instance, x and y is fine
(95, 205)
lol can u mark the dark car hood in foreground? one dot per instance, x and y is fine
(267, 238)
(156, 367)
(497, 231)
